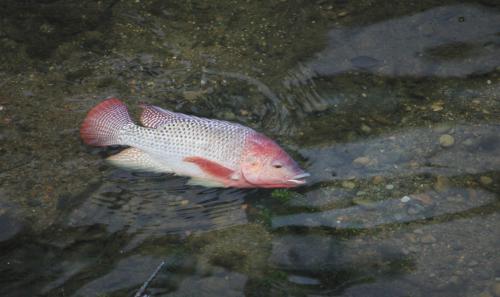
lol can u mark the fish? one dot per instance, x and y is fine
(212, 153)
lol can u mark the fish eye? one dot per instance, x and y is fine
(277, 165)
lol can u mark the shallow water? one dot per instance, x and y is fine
(394, 109)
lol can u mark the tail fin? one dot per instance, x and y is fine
(103, 123)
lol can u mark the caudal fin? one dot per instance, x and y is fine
(103, 123)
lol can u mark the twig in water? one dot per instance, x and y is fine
(150, 279)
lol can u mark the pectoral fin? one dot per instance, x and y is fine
(135, 159)
(210, 167)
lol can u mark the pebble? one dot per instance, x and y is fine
(414, 249)
(192, 95)
(377, 179)
(303, 280)
(348, 184)
(365, 128)
(441, 128)
(455, 198)
(454, 280)
(427, 239)
(485, 180)
(364, 202)
(414, 210)
(442, 183)
(468, 142)
(485, 294)
(424, 198)
(28, 93)
(362, 161)
(495, 289)
(405, 199)
(389, 187)
(446, 140)
(473, 263)
(437, 106)
(483, 274)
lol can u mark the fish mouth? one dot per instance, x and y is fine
(299, 179)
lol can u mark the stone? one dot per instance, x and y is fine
(428, 238)
(365, 202)
(361, 161)
(485, 294)
(348, 184)
(365, 128)
(413, 210)
(389, 187)
(442, 183)
(446, 140)
(414, 249)
(405, 199)
(377, 179)
(485, 180)
(437, 106)
(303, 280)
(495, 289)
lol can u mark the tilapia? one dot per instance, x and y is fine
(213, 153)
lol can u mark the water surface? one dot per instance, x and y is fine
(394, 109)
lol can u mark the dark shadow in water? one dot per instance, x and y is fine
(44, 25)
(146, 206)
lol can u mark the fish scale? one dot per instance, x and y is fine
(216, 140)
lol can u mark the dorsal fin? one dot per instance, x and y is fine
(154, 117)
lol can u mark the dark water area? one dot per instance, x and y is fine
(394, 109)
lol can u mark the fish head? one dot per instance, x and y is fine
(266, 165)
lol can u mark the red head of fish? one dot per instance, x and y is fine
(265, 164)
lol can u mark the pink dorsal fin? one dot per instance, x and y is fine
(154, 117)
(210, 167)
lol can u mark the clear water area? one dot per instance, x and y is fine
(394, 108)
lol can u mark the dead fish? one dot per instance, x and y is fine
(213, 153)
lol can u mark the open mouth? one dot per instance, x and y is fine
(299, 179)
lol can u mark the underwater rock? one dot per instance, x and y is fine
(363, 161)
(446, 140)
(485, 180)
(429, 43)
(428, 238)
(442, 183)
(348, 184)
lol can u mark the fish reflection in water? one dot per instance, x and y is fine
(149, 205)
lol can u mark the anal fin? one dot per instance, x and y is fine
(135, 159)
(195, 181)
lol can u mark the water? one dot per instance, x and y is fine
(393, 108)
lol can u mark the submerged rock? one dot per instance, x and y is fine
(446, 140)
(485, 180)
